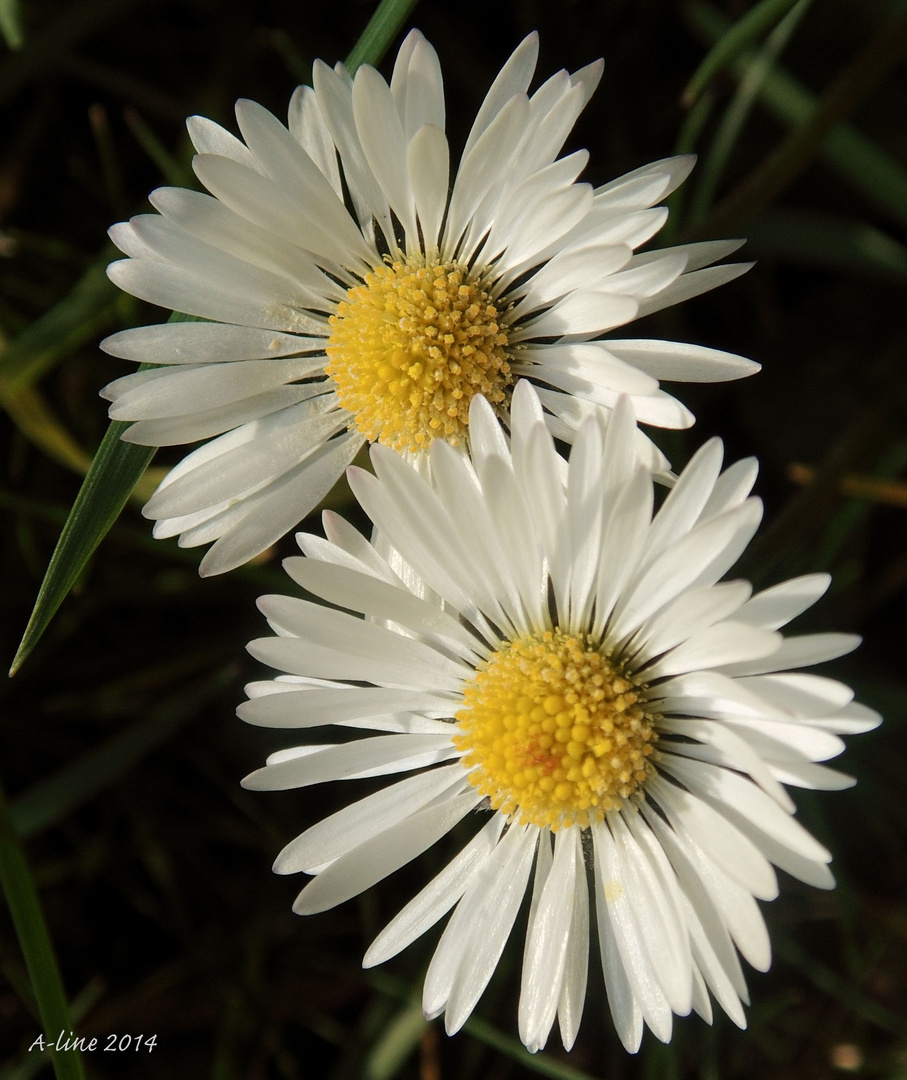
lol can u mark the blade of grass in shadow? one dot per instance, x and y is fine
(798, 148)
(29, 411)
(851, 155)
(11, 23)
(831, 983)
(752, 25)
(34, 940)
(486, 1033)
(734, 120)
(396, 1044)
(842, 244)
(381, 30)
(78, 318)
(793, 530)
(50, 800)
(55, 37)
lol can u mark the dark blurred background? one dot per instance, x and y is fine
(119, 750)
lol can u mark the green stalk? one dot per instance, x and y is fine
(382, 28)
(34, 940)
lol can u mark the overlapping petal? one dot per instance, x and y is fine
(508, 541)
(297, 215)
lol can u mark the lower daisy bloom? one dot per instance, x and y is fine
(356, 288)
(563, 668)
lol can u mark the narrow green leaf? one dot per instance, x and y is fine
(395, 1044)
(734, 120)
(759, 19)
(11, 23)
(487, 1033)
(37, 949)
(75, 320)
(852, 156)
(382, 28)
(175, 172)
(842, 244)
(116, 469)
(798, 148)
(114, 472)
(36, 420)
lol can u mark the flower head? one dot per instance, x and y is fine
(358, 289)
(563, 669)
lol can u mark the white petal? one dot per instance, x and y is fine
(354, 825)
(547, 942)
(490, 929)
(203, 343)
(513, 78)
(721, 841)
(179, 392)
(384, 143)
(677, 568)
(776, 606)
(749, 807)
(373, 860)
(681, 361)
(724, 643)
(689, 285)
(308, 128)
(311, 707)
(260, 520)
(494, 892)
(802, 651)
(655, 896)
(428, 166)
(320, 632)
(210, 138)
(590, 361)
(573, 991)
(437, 898)
(373, 756)
(363, 593)
(616, 898)
(277, 444)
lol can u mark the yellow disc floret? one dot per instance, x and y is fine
(555, 733)
(411, 347)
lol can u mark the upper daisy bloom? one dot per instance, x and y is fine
(603, 707)
(360, 290)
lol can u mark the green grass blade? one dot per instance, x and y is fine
(752, 25)
(34, 940)
(858, 160)
(486, 1033)
(116, 469)
(75, 320)
(844, 245)
(11, 23)
(396, 1043)
(855, 82)
(382, 28)
(735, 117)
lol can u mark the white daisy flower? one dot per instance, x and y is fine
(566, 672)
(360, 290)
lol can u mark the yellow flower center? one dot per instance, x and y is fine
(556, 734)
(411, 347)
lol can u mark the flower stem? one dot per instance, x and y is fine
(382, 28)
